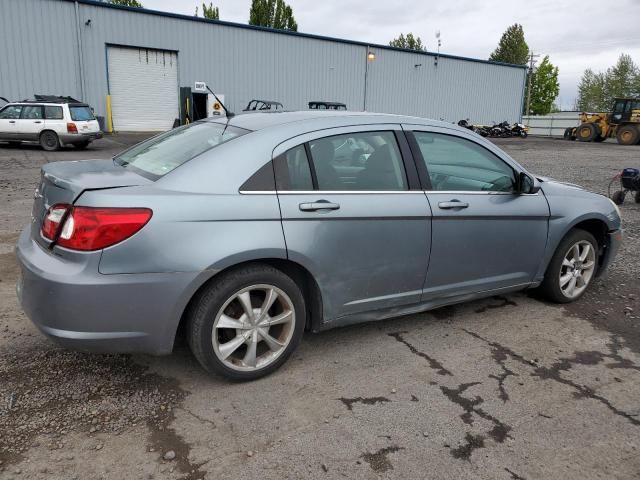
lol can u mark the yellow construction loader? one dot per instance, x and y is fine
(622, 123)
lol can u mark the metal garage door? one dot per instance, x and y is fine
(143, 84)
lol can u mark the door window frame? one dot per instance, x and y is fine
(423, 170)
(24, 109)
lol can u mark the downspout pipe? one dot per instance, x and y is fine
(80, 51)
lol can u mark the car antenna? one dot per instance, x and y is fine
(227, 112)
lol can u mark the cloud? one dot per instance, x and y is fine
(575, 36)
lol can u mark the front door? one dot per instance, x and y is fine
(485, 236)
(9, 117)
(31, 122)
(355, 217)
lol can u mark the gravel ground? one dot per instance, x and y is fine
(505, 388)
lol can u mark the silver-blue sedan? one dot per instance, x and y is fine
(248, 232)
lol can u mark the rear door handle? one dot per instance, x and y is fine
(452, 204)
(12, 121)
(318, 205)
(37, 121)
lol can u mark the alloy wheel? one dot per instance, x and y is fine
(253, 327)
(577, 269)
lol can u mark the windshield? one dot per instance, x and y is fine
(81, 114)
(161, 154)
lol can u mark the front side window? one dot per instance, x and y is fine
(81, 113)
(53, 113)
(358, 161)
(11, 112)
(161, 154)
(458, 164)
(32, 112)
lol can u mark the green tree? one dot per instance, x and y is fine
(210, 12)
(272, 13)
(545, 88)
(512, 47)
(597, 91)
(127, 3)
(409, 42)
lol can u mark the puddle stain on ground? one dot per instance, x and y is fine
(464, 451)
(504, 302)
(564, 364)
(364, 400)
(433, 363)
(378, 461)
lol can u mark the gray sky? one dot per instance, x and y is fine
(576, 36)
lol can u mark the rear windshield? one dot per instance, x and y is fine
(80, 114)
(161, 154)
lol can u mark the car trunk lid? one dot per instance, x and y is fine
(64, 182)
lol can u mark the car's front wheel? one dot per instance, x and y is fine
(572, 267)
(246, 323)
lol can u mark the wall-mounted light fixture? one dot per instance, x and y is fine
(88, 23)
(371, 56)
(417, 65)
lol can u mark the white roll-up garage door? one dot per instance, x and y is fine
(143, 84)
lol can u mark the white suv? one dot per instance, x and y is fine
(52, 121)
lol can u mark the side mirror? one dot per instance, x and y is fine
(527, 184)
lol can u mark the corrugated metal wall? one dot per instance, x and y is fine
(38, 54)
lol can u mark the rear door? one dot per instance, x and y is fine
(9, 117)
(30, 123)
(358, 222)
(54, 119)
(484, 235)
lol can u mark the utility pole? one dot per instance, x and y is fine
(532, 63)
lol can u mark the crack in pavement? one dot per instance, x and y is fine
(433, 363)
(564, 364)
(366, 401)
(514, 476)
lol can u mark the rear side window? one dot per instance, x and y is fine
(458, 164)
(11, 112)
(81, 113)
(292, 170)
(53, 113)
(358, 161)
(161, 154)
(32, 112)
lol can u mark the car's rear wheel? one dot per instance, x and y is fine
(572, 267)
(49, 141)
(245, 324)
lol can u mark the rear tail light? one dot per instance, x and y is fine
(90, 228)
(72, 128)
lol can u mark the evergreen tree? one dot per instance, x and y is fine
(512, 47)
(409, 42)
(272, 13)
(127, 3)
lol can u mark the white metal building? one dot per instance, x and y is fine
(141, 58)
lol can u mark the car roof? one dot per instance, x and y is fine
(261, 120)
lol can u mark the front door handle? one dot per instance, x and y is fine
(12, 121)
(452, 204)
(318, 205)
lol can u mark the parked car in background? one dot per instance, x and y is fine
(247, 231)
(52, 121)
(321, 105)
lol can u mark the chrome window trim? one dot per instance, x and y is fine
(384, 192)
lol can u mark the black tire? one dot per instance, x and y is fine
(523, 134)
(636, 197)
(587, 132)
(618, 197)
(628, 135)
(206, 306)
(550, 287)
(600, 139)
(49, 141)
(81, 146)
